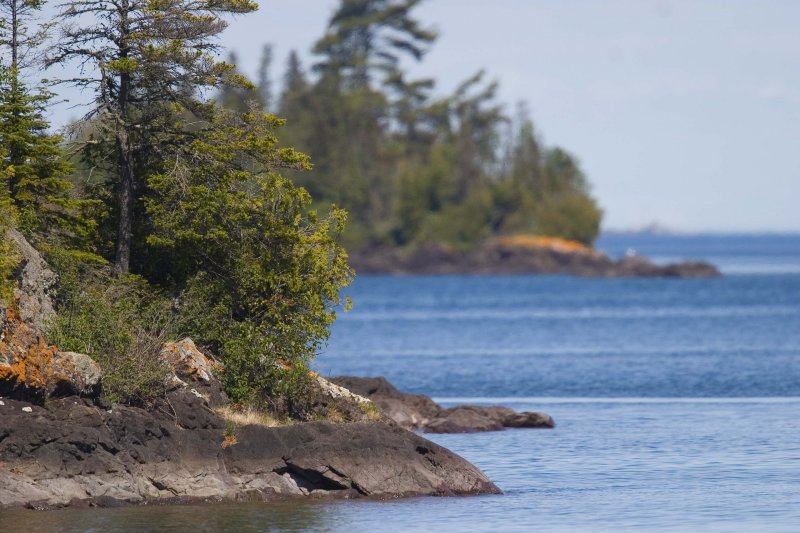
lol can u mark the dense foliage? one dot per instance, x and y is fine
(180, 224)
(412, 168)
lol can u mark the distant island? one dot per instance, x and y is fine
(520, 254)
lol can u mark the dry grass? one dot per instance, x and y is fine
(248, 417)
(539, 241)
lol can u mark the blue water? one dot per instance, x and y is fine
(676, 401)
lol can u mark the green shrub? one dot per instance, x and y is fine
(122, 323)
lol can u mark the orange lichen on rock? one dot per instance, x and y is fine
(188, 362)
(25, 357)
(532, 242)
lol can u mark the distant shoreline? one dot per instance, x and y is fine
(520, 254)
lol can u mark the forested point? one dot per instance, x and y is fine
(180, 205)
(410, 166)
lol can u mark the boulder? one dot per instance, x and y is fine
(465, 419)
(187, 362)
(411, 411)
(75, 373)
(325, 400)
(32, 368)
(191, 369)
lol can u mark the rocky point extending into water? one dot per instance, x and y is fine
(520, 254)
(63, 444)
(417, 411)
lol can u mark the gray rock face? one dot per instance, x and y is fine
(71, 452)
(416, 411)
(78, 373)
(36, 283)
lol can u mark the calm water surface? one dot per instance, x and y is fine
(676, 401)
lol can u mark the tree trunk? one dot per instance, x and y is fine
(122, 258)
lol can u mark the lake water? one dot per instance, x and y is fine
(676, 401)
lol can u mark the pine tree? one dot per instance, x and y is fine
(146, 64)
(34, 166)
(263, 82)
(368, 35)
(262, 272)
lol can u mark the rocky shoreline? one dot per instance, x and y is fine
(73, 453)
(63, 444)
(78, 451)
(520, 255)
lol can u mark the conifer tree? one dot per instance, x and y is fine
(146, 64)
(368, 35)
(34, 166)
(262, 272)
(263, 83)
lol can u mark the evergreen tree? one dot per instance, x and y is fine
(264, 84)
(34, 166)
(368, 35)
(146, 64)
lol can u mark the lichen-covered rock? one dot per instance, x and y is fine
(32, 368)
(335, 391)
(192, 369)
(75, 373)
(187, 362)
(324, 400)
(25, 359)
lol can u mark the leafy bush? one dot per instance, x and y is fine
(258, 274)
(122, 323)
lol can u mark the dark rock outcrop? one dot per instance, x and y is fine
(519, 255)
(411, 411)
(71, 452)
(417, 411)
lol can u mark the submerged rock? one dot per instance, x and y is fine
(417, 411)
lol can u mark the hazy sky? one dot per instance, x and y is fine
(685, 113)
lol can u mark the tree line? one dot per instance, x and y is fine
(165, 214)
(409, 166)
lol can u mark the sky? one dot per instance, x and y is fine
(682, 113)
